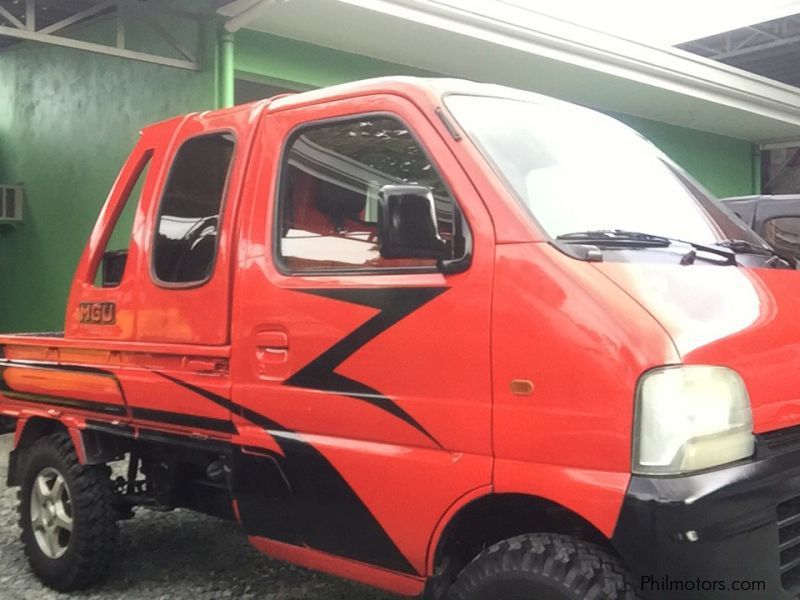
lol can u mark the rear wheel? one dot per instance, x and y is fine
(544, 567)
(66, 515)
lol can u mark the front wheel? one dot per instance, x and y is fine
(544, 567)
(66, 515)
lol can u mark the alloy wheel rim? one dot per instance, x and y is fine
(51, 513)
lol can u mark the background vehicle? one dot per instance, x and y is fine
(415, 333)
(775, 218)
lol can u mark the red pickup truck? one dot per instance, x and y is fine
(447, 339)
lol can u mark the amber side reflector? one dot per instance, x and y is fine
(521, 387)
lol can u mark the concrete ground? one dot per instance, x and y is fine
(174, 556)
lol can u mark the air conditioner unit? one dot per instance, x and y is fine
(10, 204)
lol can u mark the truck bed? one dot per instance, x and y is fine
(107, 381)
(34, 343)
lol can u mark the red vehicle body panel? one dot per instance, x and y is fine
(745, 319)
(388, 395)
(546, 328)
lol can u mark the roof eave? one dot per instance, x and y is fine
(667, 68)
(708, 95)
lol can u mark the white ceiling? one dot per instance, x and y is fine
(496, 41)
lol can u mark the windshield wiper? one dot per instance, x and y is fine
(746, 247)
(615, 237)
(622, 238)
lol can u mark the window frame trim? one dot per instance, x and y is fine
(188, 285)
(142, 168)
(291, 136)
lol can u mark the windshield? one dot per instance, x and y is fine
(578, 170)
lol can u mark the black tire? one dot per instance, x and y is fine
(544, 567)
(91, 541)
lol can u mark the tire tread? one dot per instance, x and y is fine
(579, 569)
(93, 513)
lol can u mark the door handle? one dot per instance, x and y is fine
(272, 339)
(272, 347)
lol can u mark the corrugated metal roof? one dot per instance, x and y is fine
(770, 49)
(48, 12)
(175, 40)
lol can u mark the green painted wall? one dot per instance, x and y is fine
(281, 59)
(723, 164)
(67, 121)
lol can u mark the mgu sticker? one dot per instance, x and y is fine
(98, 313)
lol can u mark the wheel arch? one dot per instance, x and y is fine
(29, 430)
(488, 518)
(91, 447)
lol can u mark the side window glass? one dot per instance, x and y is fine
(115, 255)
(185, 246)
(332, 175)
(783, 234)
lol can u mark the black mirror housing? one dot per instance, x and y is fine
(407, 223)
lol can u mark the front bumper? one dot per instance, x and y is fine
(729, 533)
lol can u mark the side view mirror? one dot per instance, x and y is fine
(407, 224)
(113, 267)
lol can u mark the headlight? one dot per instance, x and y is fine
(690, 418)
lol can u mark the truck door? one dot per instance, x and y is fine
(361, 383)
(185, 274)
(184, 278)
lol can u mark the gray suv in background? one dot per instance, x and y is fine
(774, 218)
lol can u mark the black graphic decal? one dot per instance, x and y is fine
(246, 413)
(301, 499)
(184, 420)
(394, 305)
(56, 367)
